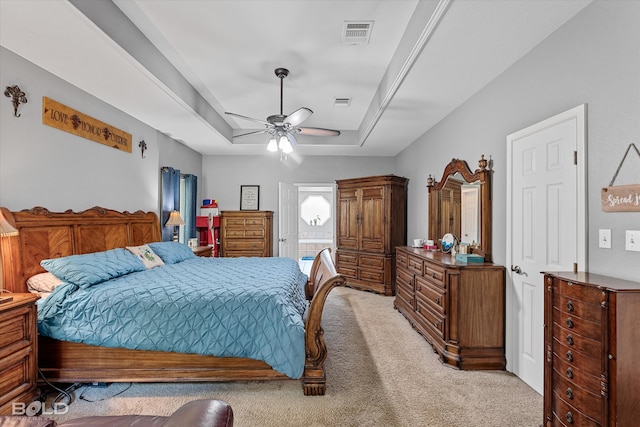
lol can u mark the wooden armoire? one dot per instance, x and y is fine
(372, 221)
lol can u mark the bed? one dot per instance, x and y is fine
(45, 235)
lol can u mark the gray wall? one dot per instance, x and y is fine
(44, 166)
(593, 59)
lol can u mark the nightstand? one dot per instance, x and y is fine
(205, 251)
(18, 351)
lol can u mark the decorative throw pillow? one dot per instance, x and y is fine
(146, 255)
(90, 269)
(172, 252)
(43, 282)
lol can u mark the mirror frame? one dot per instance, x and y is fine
(481, 175)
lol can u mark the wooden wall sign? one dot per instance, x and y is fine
(69, 120)
(621, 198)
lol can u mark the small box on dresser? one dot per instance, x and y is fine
(592, 344)
(18, 351)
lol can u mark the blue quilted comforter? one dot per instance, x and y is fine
(241, 307)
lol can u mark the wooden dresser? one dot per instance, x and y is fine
(592, 347)
(459, 308)
(372, 221)
(247, 233)
(18, 351)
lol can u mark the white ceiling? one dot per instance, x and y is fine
(178, 65)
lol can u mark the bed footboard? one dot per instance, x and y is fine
(323, 277)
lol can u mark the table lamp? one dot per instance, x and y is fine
(175, 220)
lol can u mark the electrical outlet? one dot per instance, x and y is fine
(632, 240)
(604, 239)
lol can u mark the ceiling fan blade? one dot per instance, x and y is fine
(248, 118)
(255, 132)
(318, 132)
(298, 116)
(292, 139)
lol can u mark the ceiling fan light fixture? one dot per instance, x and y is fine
(272, 145)
(285, 145)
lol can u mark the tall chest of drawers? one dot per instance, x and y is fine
(246, 233)
(458, 308)
(592, 350)
(18, 352)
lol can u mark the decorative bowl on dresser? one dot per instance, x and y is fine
(592, 345)
(18, 351)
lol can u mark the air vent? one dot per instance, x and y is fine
(356, 32)
(341, 102)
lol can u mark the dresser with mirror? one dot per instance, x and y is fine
(456, 303)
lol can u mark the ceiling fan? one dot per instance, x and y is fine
(284, 128)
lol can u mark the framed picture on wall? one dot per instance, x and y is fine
(249, 197)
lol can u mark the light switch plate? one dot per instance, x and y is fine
(604, 239)
(632, 240)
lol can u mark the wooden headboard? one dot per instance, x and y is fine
(43, 234)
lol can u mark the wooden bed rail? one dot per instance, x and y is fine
(323, 278)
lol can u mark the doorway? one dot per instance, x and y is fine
(316, 222)
(546, 228)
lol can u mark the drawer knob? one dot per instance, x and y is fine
(569, 356)
(570, 306)
(418, 288)
(433, 275)
(569, 323)
(570, 373)
(436, 324)
(437, 300)
(569, 340)
(569, 417)
(570, 393)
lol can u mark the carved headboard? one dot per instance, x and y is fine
(43, 234)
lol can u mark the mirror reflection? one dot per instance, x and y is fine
(460, 209)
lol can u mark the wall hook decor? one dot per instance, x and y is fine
(143, 147)
(18, 97)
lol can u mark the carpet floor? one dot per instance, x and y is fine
(380, 372)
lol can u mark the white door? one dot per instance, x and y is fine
(288, 220)
(546, 229)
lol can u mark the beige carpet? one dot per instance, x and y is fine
(380, 372)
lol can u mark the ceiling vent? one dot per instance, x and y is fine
(341, 102)
(356, 32)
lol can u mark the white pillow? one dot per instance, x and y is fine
(145, 254)
(43, 282)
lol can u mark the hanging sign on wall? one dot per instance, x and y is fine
(621, 198)
(69, 120)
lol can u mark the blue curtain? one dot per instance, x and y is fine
(170, 199)
(190, 194)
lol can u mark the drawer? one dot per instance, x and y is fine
(578, 308)
(350, 273)
(244, 245)
(255, 222)
(402, 259)
(415, 264)
(577, 325)
(434, 274)
(376, 276)
(567, 415)
(371, 261)
(15, 332)
(257, 233)
(238, 222)
(432, 295)
(404, 279)
(404, 297)
(15, 374)
(577, 343)
(587, 294)
(429, 319)
(588, 403)
(576, 375)
(586, 364)
(345, 258)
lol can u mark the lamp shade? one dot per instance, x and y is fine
(273, 145)
(174, 219)
(6, 229)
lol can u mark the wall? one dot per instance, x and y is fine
(593, 59)
(44, 166)
(223, 176)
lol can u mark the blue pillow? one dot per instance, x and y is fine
(90, 269)
(172, 252)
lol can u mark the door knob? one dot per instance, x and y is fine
(516, 269)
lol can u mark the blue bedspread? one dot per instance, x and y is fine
(241, 307)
